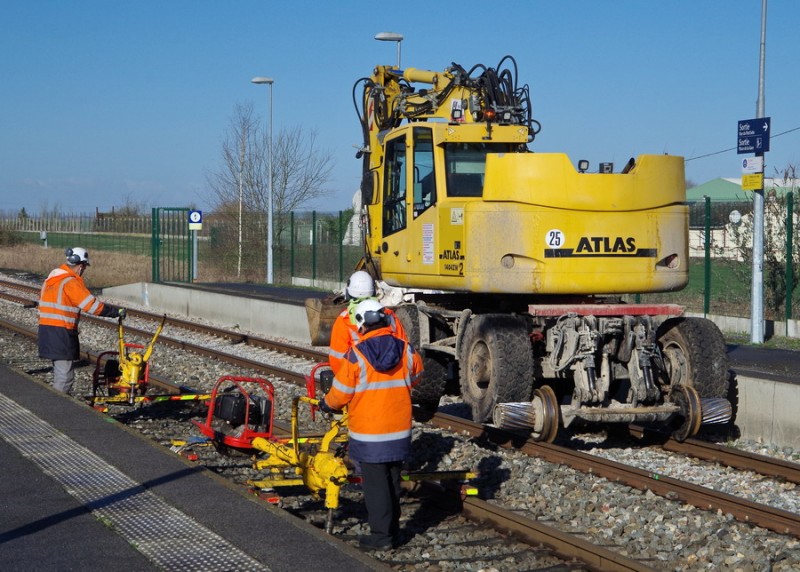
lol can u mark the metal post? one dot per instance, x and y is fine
(293, 244)
(707, 261)
(313, 248)
(268, 81)
(194, 255)
(154, 246)
(341, 246)
(241, 189)
(757, 284)
(789, 256)
(269, 207)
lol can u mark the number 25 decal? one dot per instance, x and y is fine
(554, 238)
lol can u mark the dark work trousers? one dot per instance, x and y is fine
(382, 496)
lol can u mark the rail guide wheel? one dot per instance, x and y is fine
(691, 412)
(547, 410)
(540, 417)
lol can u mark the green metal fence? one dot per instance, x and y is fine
(322, 248)
(130, 234)
(721, 264)
(171, 243)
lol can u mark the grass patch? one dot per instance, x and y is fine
(107, 268)
(775, 342)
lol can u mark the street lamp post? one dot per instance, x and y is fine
(391, 37)
(241, 168)
(269, 81)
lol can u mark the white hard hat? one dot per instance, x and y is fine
(360, 285)
(77, 256)
(369, 313)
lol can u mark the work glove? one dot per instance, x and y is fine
(122, 313)
(326, 409)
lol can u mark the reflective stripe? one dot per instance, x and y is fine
(410, 361)
(90, 304)
(58, 317)
(380, 437)
(73, 309)
(334, 354)
(343, 388)
(55, 305)
(61, 289)
(361, 384)
(385, 384)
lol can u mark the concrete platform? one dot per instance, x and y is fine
(272, 313)
(767, 411)
(81, 492)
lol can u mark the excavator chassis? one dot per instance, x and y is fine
(595, 362)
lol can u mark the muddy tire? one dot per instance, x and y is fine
(496, 363)
(695, 355)
(430, 388)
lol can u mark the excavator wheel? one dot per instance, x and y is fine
(695, 355)
(690, 417)
(431, 387)
(496, 363)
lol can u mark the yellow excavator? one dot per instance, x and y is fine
(513, 264)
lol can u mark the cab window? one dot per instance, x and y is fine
(424, 175)
(394, 191)
(466, 166)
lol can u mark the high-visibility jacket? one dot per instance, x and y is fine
(344, 334)
(375, 384)
(64, 296)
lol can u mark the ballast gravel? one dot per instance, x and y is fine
(664, 534)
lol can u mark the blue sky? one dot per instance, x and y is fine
(103, 103)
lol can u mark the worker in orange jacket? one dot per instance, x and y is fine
(375, 384)
(64, 296)
(344, 332)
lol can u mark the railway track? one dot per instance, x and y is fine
(780, 521)
(512, 520)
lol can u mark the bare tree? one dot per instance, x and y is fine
(238, 161)
(300, 173)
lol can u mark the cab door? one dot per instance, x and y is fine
(395, 201)
(424, 226)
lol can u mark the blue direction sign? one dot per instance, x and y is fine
(753, 136)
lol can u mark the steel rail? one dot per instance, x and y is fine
(238, 361)
(777, 520)
(92, 357)
(564, 545)
(26, 302)
(198, 349)
(233, 337)
(728, 456)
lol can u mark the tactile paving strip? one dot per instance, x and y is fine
(169, 538)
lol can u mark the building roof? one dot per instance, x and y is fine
(717, 190)
(730, 189)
